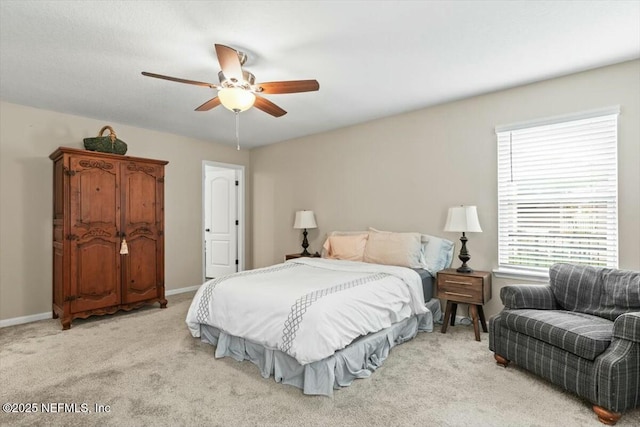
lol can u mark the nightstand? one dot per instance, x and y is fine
(469, 288)
(292, 256)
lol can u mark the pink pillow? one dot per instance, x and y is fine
(349, 248)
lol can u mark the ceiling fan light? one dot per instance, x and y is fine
(236, 99)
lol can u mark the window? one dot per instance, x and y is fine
(557, 193)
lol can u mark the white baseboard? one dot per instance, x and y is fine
(48, 315)
(182, 290)
(25, 319)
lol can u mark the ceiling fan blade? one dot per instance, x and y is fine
(212, 103)
(291, 86)
(268, 107)
(229, 62)
(176, 79)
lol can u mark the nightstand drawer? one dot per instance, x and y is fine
(474, 288)
(466, 289)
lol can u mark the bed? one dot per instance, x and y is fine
(314, 323)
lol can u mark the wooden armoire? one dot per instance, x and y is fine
(108, 233)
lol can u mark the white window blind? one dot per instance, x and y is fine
(557, 193)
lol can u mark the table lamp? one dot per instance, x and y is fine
(305, 220)
(464, 219)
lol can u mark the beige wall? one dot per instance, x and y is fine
(27, 137)
(402, 173)
(399, 173)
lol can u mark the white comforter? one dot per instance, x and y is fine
(308, 307)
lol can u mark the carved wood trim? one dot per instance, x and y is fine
(96, 232)
(98, 164)
(139, 231)
(140, 168)
(110, 310)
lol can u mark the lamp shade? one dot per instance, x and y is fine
(236, 99)
(305, 219)
(463, 218)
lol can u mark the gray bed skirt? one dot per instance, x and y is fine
(358, 360)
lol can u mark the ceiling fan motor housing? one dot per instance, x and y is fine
(249, 80)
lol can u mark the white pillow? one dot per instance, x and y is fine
(384, 247)
(438, 254)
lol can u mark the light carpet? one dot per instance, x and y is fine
(149, 370)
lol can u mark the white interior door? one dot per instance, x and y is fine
(221, 230)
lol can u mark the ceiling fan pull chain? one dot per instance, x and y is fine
(237, 130)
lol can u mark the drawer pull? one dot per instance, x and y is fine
(458, 283)
(458, 295)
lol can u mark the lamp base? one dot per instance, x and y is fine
(464, 256)
(305, 244)
(464, 268)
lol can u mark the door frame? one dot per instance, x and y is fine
(240, 211)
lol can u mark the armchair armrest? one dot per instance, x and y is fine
(528, 296)
(627, 327)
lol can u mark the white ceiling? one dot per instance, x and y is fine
(372, 59)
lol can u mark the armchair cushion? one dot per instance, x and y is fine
(621, 293)
(528, 296)
(627, 327)
(603, 292)
(581, 334)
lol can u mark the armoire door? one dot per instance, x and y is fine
(94, 216)
(142, 216)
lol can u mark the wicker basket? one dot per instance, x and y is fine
(106, 144)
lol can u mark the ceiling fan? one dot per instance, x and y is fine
(237, 90)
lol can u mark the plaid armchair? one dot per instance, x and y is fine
(581, 332)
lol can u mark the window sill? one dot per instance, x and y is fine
(529, 275)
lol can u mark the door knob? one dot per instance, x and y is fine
(207, 230)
